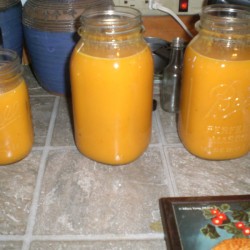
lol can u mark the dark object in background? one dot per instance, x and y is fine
(11, 26)
(154, 104)
(1, 39)
(160, 51)
(238, 2)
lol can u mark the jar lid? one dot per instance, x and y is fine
(57, 15)
(4, 4)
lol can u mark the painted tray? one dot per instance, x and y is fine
(207, 223)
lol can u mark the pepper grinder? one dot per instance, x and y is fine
(170, 87)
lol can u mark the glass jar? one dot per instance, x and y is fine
(16, 130)
(214, 119)
(112, 86)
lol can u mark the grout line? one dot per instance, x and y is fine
(41, 170)
(166, 161)
(170, 174)
(100, 237)
(40, 95)
(55, 147)
(11, 237)
(89, 237)
(158, 122)
(155, 122)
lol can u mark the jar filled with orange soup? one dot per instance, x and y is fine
(214, 119)
(16, 130)
(112, 86)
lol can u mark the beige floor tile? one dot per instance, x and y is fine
(63, 130)
(17, 183)
(197, 177)
(41, 108)
(10, 245)
(80, 196)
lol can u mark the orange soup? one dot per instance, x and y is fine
(112, 105)
(16, 131)
(214, 120)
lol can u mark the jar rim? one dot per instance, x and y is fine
(226, 18)
(113, 19)
(57, 16)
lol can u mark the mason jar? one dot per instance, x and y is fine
(214, 119)
(112, 86)
(16, 130)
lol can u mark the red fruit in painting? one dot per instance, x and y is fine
(246, 230)
(222, 216)
(217, 221)
(239, 225)
(214, 211)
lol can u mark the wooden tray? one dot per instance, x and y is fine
(201, 223)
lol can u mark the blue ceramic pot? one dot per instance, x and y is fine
(50, 54)
(11, 28)
(50, 31)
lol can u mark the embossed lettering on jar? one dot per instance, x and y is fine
(214, 120)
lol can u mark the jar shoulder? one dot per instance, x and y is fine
(111, 50)
(224, 48)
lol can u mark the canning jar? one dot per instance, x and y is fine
(16, 130)
(112, 86)
(214, 119)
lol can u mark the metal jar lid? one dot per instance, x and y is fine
(57, 15)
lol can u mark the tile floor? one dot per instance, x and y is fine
(58, 199)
